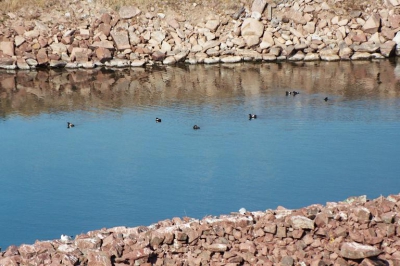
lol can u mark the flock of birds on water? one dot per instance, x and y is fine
(196, 127)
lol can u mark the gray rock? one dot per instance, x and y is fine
(251, 40)
(21, 64)
(31, 62)
(138, 63)
(269, 57)
(311, 57)
(211, 60)
(33, 34)
(58, 48)
(231, 59)
(257, 8)
(181, 56)
(372, 24)
(103, 44)
(127, 12)
(19, 40)
(210, 44)
(353, 250)
(387, 49)
(116, 62)
(361, 56)
(159, 36)
(252, 26)
(366, 47)
(329, 55)
(301, 222)
(169, 60)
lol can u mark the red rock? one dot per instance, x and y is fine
(98, 258)
(41, 57)
(105, 28)
(281, 232)
(297, 234)
(106, 18)
(356, 236)
(361, 37)
(363, 214)
(135, 254)
(7, 48)
(372, 262)
(88, 243)
(270, 228)
(321, 219)
(10, 261)
(248, 246)
(158, 56)
(394, 21)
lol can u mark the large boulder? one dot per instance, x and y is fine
(252, 26)
(372, 24)
(353, 250)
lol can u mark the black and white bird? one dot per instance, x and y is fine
(69, 125)
(196, 127)
(252, 116)
(326, 99)
(158, 120)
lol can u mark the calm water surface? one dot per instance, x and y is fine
(118, 167)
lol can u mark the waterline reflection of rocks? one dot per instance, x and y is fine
(34, 92)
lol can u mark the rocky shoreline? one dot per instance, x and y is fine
(356, 231)
(88, 35)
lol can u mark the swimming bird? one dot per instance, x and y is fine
(251, 116)
(326, 99)
(288, 93)
(196, 127)
(295, 93)
(378, 77)
(69, 125)
(158, 120)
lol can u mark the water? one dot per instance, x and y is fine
(117, 166)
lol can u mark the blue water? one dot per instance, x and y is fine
(118, 167)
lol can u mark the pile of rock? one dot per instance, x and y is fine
(354, 232)
(91, 35)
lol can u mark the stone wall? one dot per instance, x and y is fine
(91, 35)
(354, 232)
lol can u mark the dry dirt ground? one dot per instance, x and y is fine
(192, 10)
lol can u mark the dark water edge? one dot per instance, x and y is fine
(118, 167)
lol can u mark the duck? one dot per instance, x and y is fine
(251, 116)
(326, 99)
(158, 120)
(378, 77)
(69, 125)
(196, 127)
(295, 93)
(288, 93)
